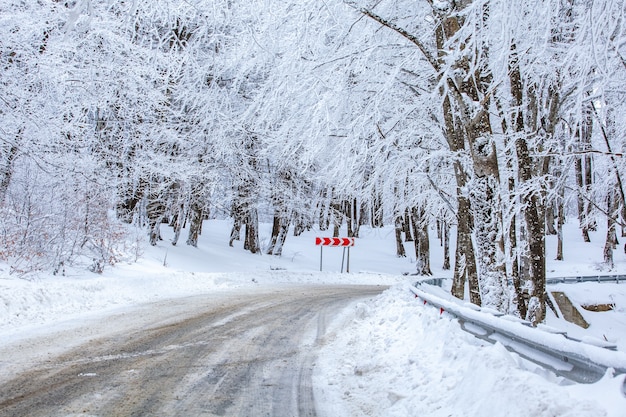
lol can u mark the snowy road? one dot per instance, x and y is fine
(213, 355)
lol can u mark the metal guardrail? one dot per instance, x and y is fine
(438, 282)
(550, 348)
(590, 278)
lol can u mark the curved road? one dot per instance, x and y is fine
(248, 354)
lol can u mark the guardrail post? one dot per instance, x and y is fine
(321, 249)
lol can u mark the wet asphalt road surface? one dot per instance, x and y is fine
(237, 354)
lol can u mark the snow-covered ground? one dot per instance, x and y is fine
(389, 356)
(400, 359)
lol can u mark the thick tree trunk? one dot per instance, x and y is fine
(251, 242)
(533, 212)
(463, 134)
(280, 227)
(535, 223)
(195, 223)
(238, 213)
(179, 220)
(484, 197)
(177, 211)
(536, 246)
(400, 252)
(419, 221)
(465, 261)
(235, 232)
(406, 226)
(282, 236)
(196, 213)
(275, 231)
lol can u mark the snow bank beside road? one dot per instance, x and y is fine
(27, 303)
(400, 359)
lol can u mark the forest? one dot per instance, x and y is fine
(496, 120)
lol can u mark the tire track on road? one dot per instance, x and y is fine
(249, 355)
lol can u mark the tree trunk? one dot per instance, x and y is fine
(484, 196)
(611, 233)
(155, 210)
(419, 221)
(550, 220)
(282, 235)
(465, 260)
(582, 213)
(300, 225)
(618, 177)
(235, 232)
(280, 228)
(237, 212)
(582, 167)
(196, 213)
(179, 219)
(377, 211)
(351, 212)
(337, 217)
(406, 226)
(533, 211)
(350, 223)
(471, 127)
(400, 252)
(129, 197)
(275, 231)
(591, 221)
(520, 301)
(195, 222)
(439, 234)
(446, 244)
(559, 225)
(7, 172)
(324, 220)
(252, 231)
(465, 263)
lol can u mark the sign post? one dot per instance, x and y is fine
(345, 242)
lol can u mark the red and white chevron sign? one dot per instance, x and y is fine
(334, 241)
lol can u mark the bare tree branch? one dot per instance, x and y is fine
(412, 38)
